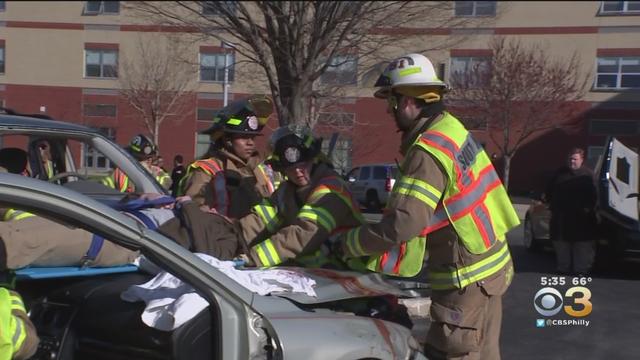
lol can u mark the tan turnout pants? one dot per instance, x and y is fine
(36, 241)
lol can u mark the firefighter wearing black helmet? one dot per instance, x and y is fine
(230, 177)
(143, 150)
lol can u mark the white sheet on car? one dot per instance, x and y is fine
(171, 302)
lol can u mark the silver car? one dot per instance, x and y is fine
(354, 316)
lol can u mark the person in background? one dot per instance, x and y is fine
(44, 148)
(572, 195)
(176, 174)
(158, 161)
(143, 150)
(229, 178)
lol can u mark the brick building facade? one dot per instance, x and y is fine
(61, 58)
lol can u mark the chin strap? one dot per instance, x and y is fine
(432, 109)
(427, 114)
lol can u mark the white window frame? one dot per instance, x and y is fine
(102, 72)
(619, 74)
(625, 8)
(101, 9)
(230, 66)
(474, 12)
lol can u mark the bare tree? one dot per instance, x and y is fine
(517, 93)
(156, 82)
(295, 42)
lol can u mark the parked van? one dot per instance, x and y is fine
(372, 183)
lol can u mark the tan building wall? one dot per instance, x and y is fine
(44, 46)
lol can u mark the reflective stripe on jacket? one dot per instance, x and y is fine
(213, 169)
(12, 329)
(13, 215)
(296, 224)
(474, 202)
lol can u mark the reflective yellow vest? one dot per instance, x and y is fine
(118, 180)
(12, 328)
(474, 202)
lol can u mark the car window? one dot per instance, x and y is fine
(365, 172)
(380, 172)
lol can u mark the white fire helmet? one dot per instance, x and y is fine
(408, 71)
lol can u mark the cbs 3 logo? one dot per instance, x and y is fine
(549, 301)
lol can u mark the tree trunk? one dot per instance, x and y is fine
(507, 169)
(156, 133)
(295, 103)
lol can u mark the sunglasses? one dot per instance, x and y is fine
(43, 147)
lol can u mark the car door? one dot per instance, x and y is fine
(618, 182)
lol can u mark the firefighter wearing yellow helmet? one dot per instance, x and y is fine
(450, 204)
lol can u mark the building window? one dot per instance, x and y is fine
(2, 5)
(206, 114)
(337, 119)
(475, 8)
(101, 7)
(212, 66)
(618, 73)
(101, 63)
(2, 59)
(617, 7)
(340, 155)
(613, 127)
(342, 70)
(107, 110)
(204, 141)
(215, 7)
(94, 158)
(469, 72)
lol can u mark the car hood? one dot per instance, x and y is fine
(332, 285)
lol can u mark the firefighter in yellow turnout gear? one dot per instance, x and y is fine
(142, 149)
(448, 204)
(231, 178)
(18, 337)
(296, 223)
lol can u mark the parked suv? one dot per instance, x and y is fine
(372, 183)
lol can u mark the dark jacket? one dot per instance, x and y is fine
(176, 176)
(572, 198)
(203, 232)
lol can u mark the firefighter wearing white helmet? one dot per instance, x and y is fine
(450, 204)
